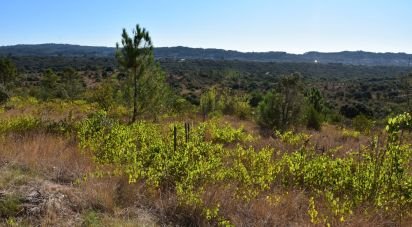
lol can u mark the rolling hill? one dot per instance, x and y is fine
(344, 57)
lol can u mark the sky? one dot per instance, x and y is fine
(294, 26)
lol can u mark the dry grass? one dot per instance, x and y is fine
(331, 138)
(53, 156)
(273, 208)
(54, 166)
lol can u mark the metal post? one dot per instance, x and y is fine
(174, 137)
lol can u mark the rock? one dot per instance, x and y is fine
(34, 197)
(33, 211)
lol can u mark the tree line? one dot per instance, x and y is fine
(140, 83)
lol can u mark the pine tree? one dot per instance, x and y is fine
(136, 53)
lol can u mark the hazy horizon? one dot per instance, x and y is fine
(296, 26)
(212, 48)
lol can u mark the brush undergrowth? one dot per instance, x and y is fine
(379, 175)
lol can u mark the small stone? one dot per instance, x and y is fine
(34, 194)
(35, 211)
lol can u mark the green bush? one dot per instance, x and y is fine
(224, 133)
(10, 206)
(295, 139)
(253, 171)
(19, 102)
(110, 141)
(208, 102)
(20, 124)
(91, 219)
(313, 119)
(4, 95)
(362, 124)
(347, 133)
(335, 118)
(282, 108)
(377, 175)
(103, 95)
(242, 109)
(234, 104)
(269, 112)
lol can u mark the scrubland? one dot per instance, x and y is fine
(69, 163)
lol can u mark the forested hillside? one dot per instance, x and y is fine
(344, 57)
(375, 91)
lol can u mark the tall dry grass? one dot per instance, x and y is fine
(55, 157)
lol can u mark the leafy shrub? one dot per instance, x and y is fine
(315, 99)
(208, 102)
(234, 104)
(4, 95)
(63, 127)
(253, 171)
(226, 134)
(19, 102)
(145, 151)
(362, 124)
(353, 110)
(334, 118)
(103, 95)
(313, 119)
(110, 141)
(20, 124)
(91, 219)
(66, 106)
(347, 133)
(180, 105)
(281, 109)
(295, 139)
(350, 181)
(269, 112)
(242, 109)
(119, 112)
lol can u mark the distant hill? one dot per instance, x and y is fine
(344, 57)
(47, 50)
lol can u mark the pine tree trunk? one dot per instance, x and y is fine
(135, 95)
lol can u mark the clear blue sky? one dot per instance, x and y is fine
(294, 26)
